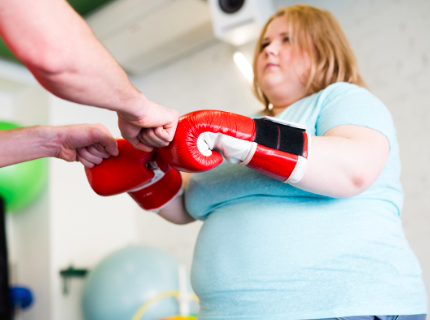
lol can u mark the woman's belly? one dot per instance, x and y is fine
(289, 253)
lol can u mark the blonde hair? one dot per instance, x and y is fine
(316, 32)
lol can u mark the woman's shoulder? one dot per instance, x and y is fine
(345, 103)
(346, 94)
(344, 88)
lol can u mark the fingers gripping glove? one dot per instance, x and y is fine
(276, 148)
(161, 190)
(122, 173)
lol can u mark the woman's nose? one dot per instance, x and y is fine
(271, 49)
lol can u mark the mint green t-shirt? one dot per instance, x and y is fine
(268, 250)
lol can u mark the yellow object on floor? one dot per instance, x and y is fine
(161, 296)
(180, 318)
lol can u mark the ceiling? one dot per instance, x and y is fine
(83, 7)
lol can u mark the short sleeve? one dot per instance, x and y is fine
(345, 103)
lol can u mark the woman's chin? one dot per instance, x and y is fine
(271, 81)
(269, 87)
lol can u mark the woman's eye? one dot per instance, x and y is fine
(286, 39)
(264, 45)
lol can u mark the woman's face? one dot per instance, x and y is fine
(281, 74)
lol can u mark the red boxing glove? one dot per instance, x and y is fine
(161, 190)
(150, 181)
(122, 173)
(276, 148)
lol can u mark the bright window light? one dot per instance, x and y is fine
(244, 66)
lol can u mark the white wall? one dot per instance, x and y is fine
(84, 226)
(6, 112)
(32, 225)
(13, 80)
(28, 230)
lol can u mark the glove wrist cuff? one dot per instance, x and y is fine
(301, 165)
(178, 194)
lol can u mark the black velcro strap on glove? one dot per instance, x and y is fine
(279, 137)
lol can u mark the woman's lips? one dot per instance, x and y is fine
(270, 65)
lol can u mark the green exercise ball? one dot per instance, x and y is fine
(22, 183)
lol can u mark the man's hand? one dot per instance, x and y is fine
(152, 126)
(88, 143)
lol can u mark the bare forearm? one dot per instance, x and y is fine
(99, 89)
(340, 167)
(176, 212)
(330, 170)
(26, 144)
(59, 48)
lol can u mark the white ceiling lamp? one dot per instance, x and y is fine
(244, 66)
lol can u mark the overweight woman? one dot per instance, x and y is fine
(330, 245)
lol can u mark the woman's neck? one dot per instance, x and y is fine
(277, 109)
(280, 101)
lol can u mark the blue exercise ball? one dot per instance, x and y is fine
(122, 282)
